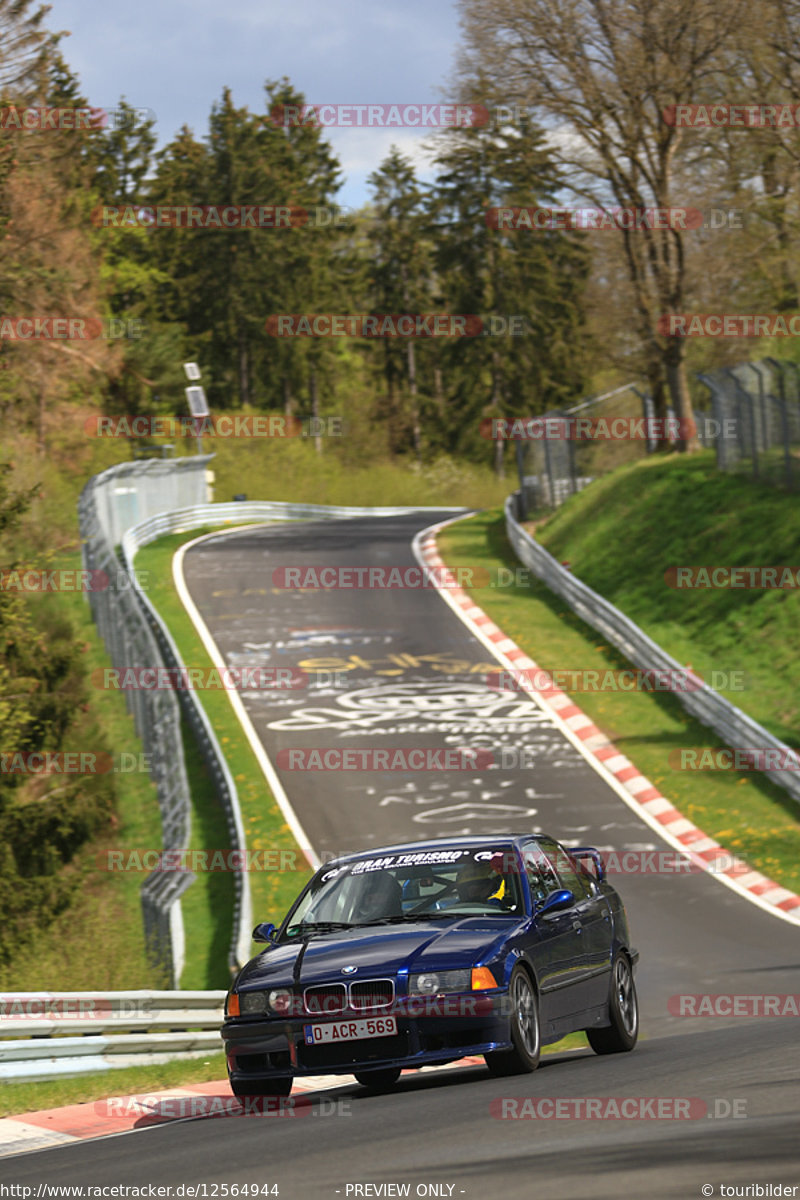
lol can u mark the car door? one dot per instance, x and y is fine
(593, 912)
(557, 943)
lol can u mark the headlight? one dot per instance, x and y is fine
(433, 982)
(280, 1000)
(251, 1003)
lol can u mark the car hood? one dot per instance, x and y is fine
(380, 950)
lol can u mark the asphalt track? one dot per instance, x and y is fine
(407, 673)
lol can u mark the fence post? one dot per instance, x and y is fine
(784, 415)
(717, 414)
(523, 503)
(741, 392)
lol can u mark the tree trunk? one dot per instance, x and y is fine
(312, 387)
(438, 390)
(41, 445)
(499, 444)
(675, 368)
(388, 372)
(244, 375)
(655, 379)
(416, 433)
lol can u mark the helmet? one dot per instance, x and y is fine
(477, 882)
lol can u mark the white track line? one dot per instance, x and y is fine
(256, 745)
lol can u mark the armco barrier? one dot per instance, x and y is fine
(730, 723)
(122, 623)
(114, 1029)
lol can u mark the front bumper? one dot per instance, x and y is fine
(263, 1048)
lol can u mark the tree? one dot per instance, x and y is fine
(502, 274)
(400, 282)
(603, 74)
(25, 47)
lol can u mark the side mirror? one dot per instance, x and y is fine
(264, 933)
(555, 901)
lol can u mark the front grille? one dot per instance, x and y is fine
(372, 993)
(326, 999)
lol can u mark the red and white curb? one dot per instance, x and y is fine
(641, 796)
(116, 1115)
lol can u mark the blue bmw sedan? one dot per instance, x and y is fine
(429, 952)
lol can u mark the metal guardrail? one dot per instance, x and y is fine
(210, 750)
(119, 1029)
(240, 511)
(730, 723)
(122, 623)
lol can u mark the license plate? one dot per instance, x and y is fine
(350, 1031)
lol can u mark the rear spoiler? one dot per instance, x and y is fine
(582, 852)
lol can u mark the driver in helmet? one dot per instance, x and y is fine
(479, 883)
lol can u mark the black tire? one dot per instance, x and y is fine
(378, 1079)
(280, 1086)
(525, 1029)
(623, 1012)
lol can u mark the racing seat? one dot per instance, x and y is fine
(382, 898)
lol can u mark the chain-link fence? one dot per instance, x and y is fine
(558, 458)
(557, 465)
(756, 408)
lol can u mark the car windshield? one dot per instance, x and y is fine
(410, 886)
